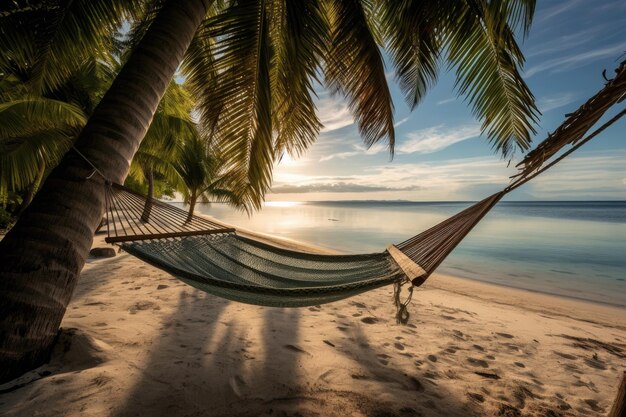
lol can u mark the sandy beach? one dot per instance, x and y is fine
(137, 342)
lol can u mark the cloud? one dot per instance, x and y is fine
(446, 101)
(567, 42)
(358, 150)
(334, 113)
(436, 138)
(594, 175)
(562, 64)
(557, 10)
(401, 121)
(338, 187)
(548, 103)
(465, 179)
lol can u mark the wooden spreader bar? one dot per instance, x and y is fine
(130, 238)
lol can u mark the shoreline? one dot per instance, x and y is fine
(137, 341)
(546, 297)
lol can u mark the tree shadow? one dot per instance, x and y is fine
(215, 366)
(174, 373)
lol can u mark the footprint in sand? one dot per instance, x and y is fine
(458, 335)
(359, 305)
(596, 363)
(478, 362)
(451, 350)
(162, 286)
(505, 335)
(476, 397)
(593, 404)
(398, 346)
(143, 305)
(519, 364)
(432, 358)
(295, 348)
(478, 347)
(417, 385)
(565, 355)
(369, 320)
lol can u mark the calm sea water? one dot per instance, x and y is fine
(574, 249)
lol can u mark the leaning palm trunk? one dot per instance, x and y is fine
(41, 257)
(147, 207)
(192, 206)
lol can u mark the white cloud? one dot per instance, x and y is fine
(401, 121)
(334, 113)
(446, 101)
(445, 180)
(557, 10)
(548, 103)
(594, 175)
(562, 64)
(436, 138)
(358, 150)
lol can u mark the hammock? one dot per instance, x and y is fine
(223, 262)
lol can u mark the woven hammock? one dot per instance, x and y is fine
(220, 261)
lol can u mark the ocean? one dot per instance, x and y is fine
(572, 249)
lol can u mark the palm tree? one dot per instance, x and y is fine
(37, 130)
(158, 152)
(251, 65)
(200, 175)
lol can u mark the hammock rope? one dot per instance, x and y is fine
(218, 260)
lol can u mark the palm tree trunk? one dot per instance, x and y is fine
(192, 206)
(147, 207)
(41, 257)
(32, 189)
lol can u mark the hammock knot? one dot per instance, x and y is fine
(402, 312)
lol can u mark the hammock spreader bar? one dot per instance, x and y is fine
(217, 259)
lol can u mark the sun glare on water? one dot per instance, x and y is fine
(281, 203)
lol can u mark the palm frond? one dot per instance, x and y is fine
(19, 117)
(244, 129)
(354, 67)
(412, 30)
(22, 156)
(46, 45)
(487, 58)
(299, 35)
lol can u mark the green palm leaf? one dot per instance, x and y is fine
(244, 128)
(299, 35)
(354, 67)
(68, 33)
(487, 58)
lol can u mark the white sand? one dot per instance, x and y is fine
(137, 342)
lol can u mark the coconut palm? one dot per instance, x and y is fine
(36, 130)
(252, 66)
(158, 152)
(201, 176)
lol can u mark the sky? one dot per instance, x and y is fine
(440, 153)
